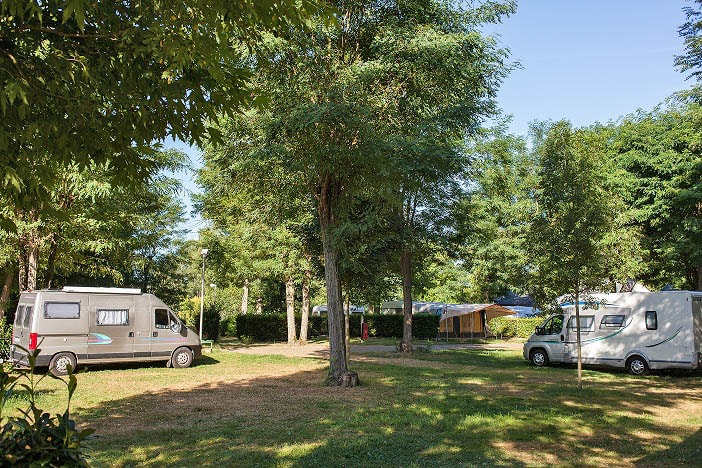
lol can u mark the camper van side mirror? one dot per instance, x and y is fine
(539, 330)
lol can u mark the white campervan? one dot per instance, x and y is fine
(637, 330)
(79, 325)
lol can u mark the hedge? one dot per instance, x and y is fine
(512, 327)
(273, 327)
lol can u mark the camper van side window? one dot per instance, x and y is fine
(651, 320)
(161, 318)
(586, 322)
(112, 316)
(19, 314)
(27, 317)
(62, 310)
(612, 321)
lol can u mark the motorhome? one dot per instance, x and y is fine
(79, 325)
(636, 330)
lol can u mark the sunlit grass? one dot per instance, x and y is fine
(441, 408)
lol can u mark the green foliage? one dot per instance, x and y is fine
(35, 438)
(5, 338)
(662, 151)
(691, 31)
(189, 312)
(125, 73)
(574, 231)
(506, 327)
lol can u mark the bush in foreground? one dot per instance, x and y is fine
(36, 438)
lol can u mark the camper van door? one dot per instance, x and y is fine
(111, 327)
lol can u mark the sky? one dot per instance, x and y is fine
(586, 61)
(590, 60)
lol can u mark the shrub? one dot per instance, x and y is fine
(514, 327)
(35, 438)
(189, 312)
(5, 339)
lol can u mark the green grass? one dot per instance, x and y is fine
(441, 408)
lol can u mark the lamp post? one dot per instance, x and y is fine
(203, 252)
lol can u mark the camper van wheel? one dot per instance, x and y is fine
(636, 365)
(182, 357)
(60, 362)
(539, 357)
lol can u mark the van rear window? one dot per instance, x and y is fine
(28, 316)
(19, 315)
(62, 310)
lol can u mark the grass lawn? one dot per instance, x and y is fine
(441, 408)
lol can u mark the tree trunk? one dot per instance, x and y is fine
(304, 320)
(339, 375)
(577, 328)
(259, 305)
(32, 265)
(5, 294)
(51, 261)
(347, 328)
(290, 308)
(245, 298)
(406, 269)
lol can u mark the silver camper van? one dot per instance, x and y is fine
(79, 325)
(637, 331)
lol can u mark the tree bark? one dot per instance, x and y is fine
(290, 308)
(339, 374)
(5, 294)
(347, 328)
(32, 264)
(51, 260)
(304, 320)
(405, 345)
(577, 328)
(245, 298)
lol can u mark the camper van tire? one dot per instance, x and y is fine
(60, 363)
(636, 365)
(539, 357)
(182, 357)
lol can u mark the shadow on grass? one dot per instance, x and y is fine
(488, 408)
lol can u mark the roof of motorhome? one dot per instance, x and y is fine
(85, 289)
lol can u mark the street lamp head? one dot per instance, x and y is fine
(204, 252)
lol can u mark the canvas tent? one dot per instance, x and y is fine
(469, 320)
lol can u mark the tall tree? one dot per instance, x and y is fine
(347, 118)
(492, 219)
(577, 206)
(661, 149)
(691, 31)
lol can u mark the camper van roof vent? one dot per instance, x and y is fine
(83, 289)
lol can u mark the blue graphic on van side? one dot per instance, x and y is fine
(98, 338)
